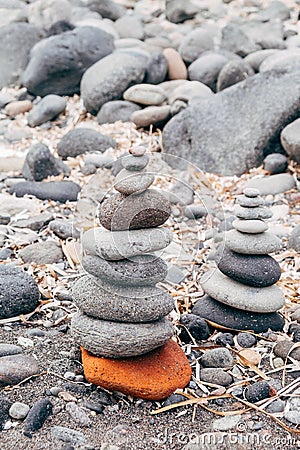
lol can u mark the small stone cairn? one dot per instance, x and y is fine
(241, 292)
(122, 325)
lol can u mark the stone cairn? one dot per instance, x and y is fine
(241, 292)
(122, 326)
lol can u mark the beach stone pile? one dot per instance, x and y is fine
(241, 291)
(122, 325)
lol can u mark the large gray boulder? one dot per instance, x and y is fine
(231, 132)
(109, 78)
(16, 39)
(57, 63)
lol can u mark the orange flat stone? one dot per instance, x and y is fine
(153, 376)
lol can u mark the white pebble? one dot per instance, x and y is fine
(25, 342)
(18, 410)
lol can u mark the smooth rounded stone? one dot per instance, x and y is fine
(292, 416)
(100, 299)
(40, 163)
(152, 115)
(9, 349)
(237, 295)
(250, 213)
(181, 193)
(157, 69)
(77, 414)
(19, 292)
(251, 192)
(18, 107)
(253, 226)
(249, 202)
(274, 184)
(283, 349)
(195, 211)
(294, 240)
(47, 252)
(128, 182)
(64, 229)
(282, 61)
(193, 326)
(68, 435)
(253, 244)
(207, 68)
(35, 223)
(178, 11)
(275, 163)
(37, 416)
(153, 376)
(125, 244)
(246, 340)
(145, 94)
(237, 319)
(117, 339)
(129, 26)
(197, 42)
(253, 270)
(176, 68)
(18, 410)
(60, 191)
(116, 110)
(255, 59)
(233, 72)
(141, 270)
(290, 140)
(217, 357)
(135, 163)
(148, 209)
(257, 391)
(215, 376)
(47, 109)
(276, 407)
(83, 140)
(45, 13)
(57, 63)
(188, 90)
(109, 78)
(15, 368)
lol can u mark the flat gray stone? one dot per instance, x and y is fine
(253, 244)
(128, 182)
(148, 209)
(250, 226)
(103, 300)
(134, 163)
(47, 109)
(250, 202)
(274, 184)
(141, 270)
(15, 368)
(47, 252)
(145, 94)
(237, 295)
(125, 244)
(9, 349)
(117, 339)
(251, 192)
(215, 376)
(68, 435)
(84, 140)
(259, 212)
(216, 358)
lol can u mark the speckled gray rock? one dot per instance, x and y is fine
(249, 202)
(116, 110)
(124, 244)
(117, 339)
(60, 191)
(18, 410)
(274, 184)
(15, 368)
(68, 435)
(250, 226)
(275, 163)
(148, 209)
(47, 252)
(34, 223)
(128, 182)
(109, 78)
(102, 300)
(9, 349)
(47, 109)
(64, 229)
(141, 270)
(145, 94)
(254, 270)
(257, 391)
(134, 163)
(253, 244)
(19, 292)
(270, 103)
(217, 357)
(84, 140)
(238, 295)
(78, 414)
(259, 212)
(215, 376)
(40, 163)
(225, 315)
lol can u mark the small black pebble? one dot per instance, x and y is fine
(196, 326)
(225, 339)
(257, 391)
(40, 411)
(296, 336)
(293, 328)
(173, 399)
(97, 407)
(246, 340)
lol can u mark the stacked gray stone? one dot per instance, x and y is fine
(241, 291)
(122, 311)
